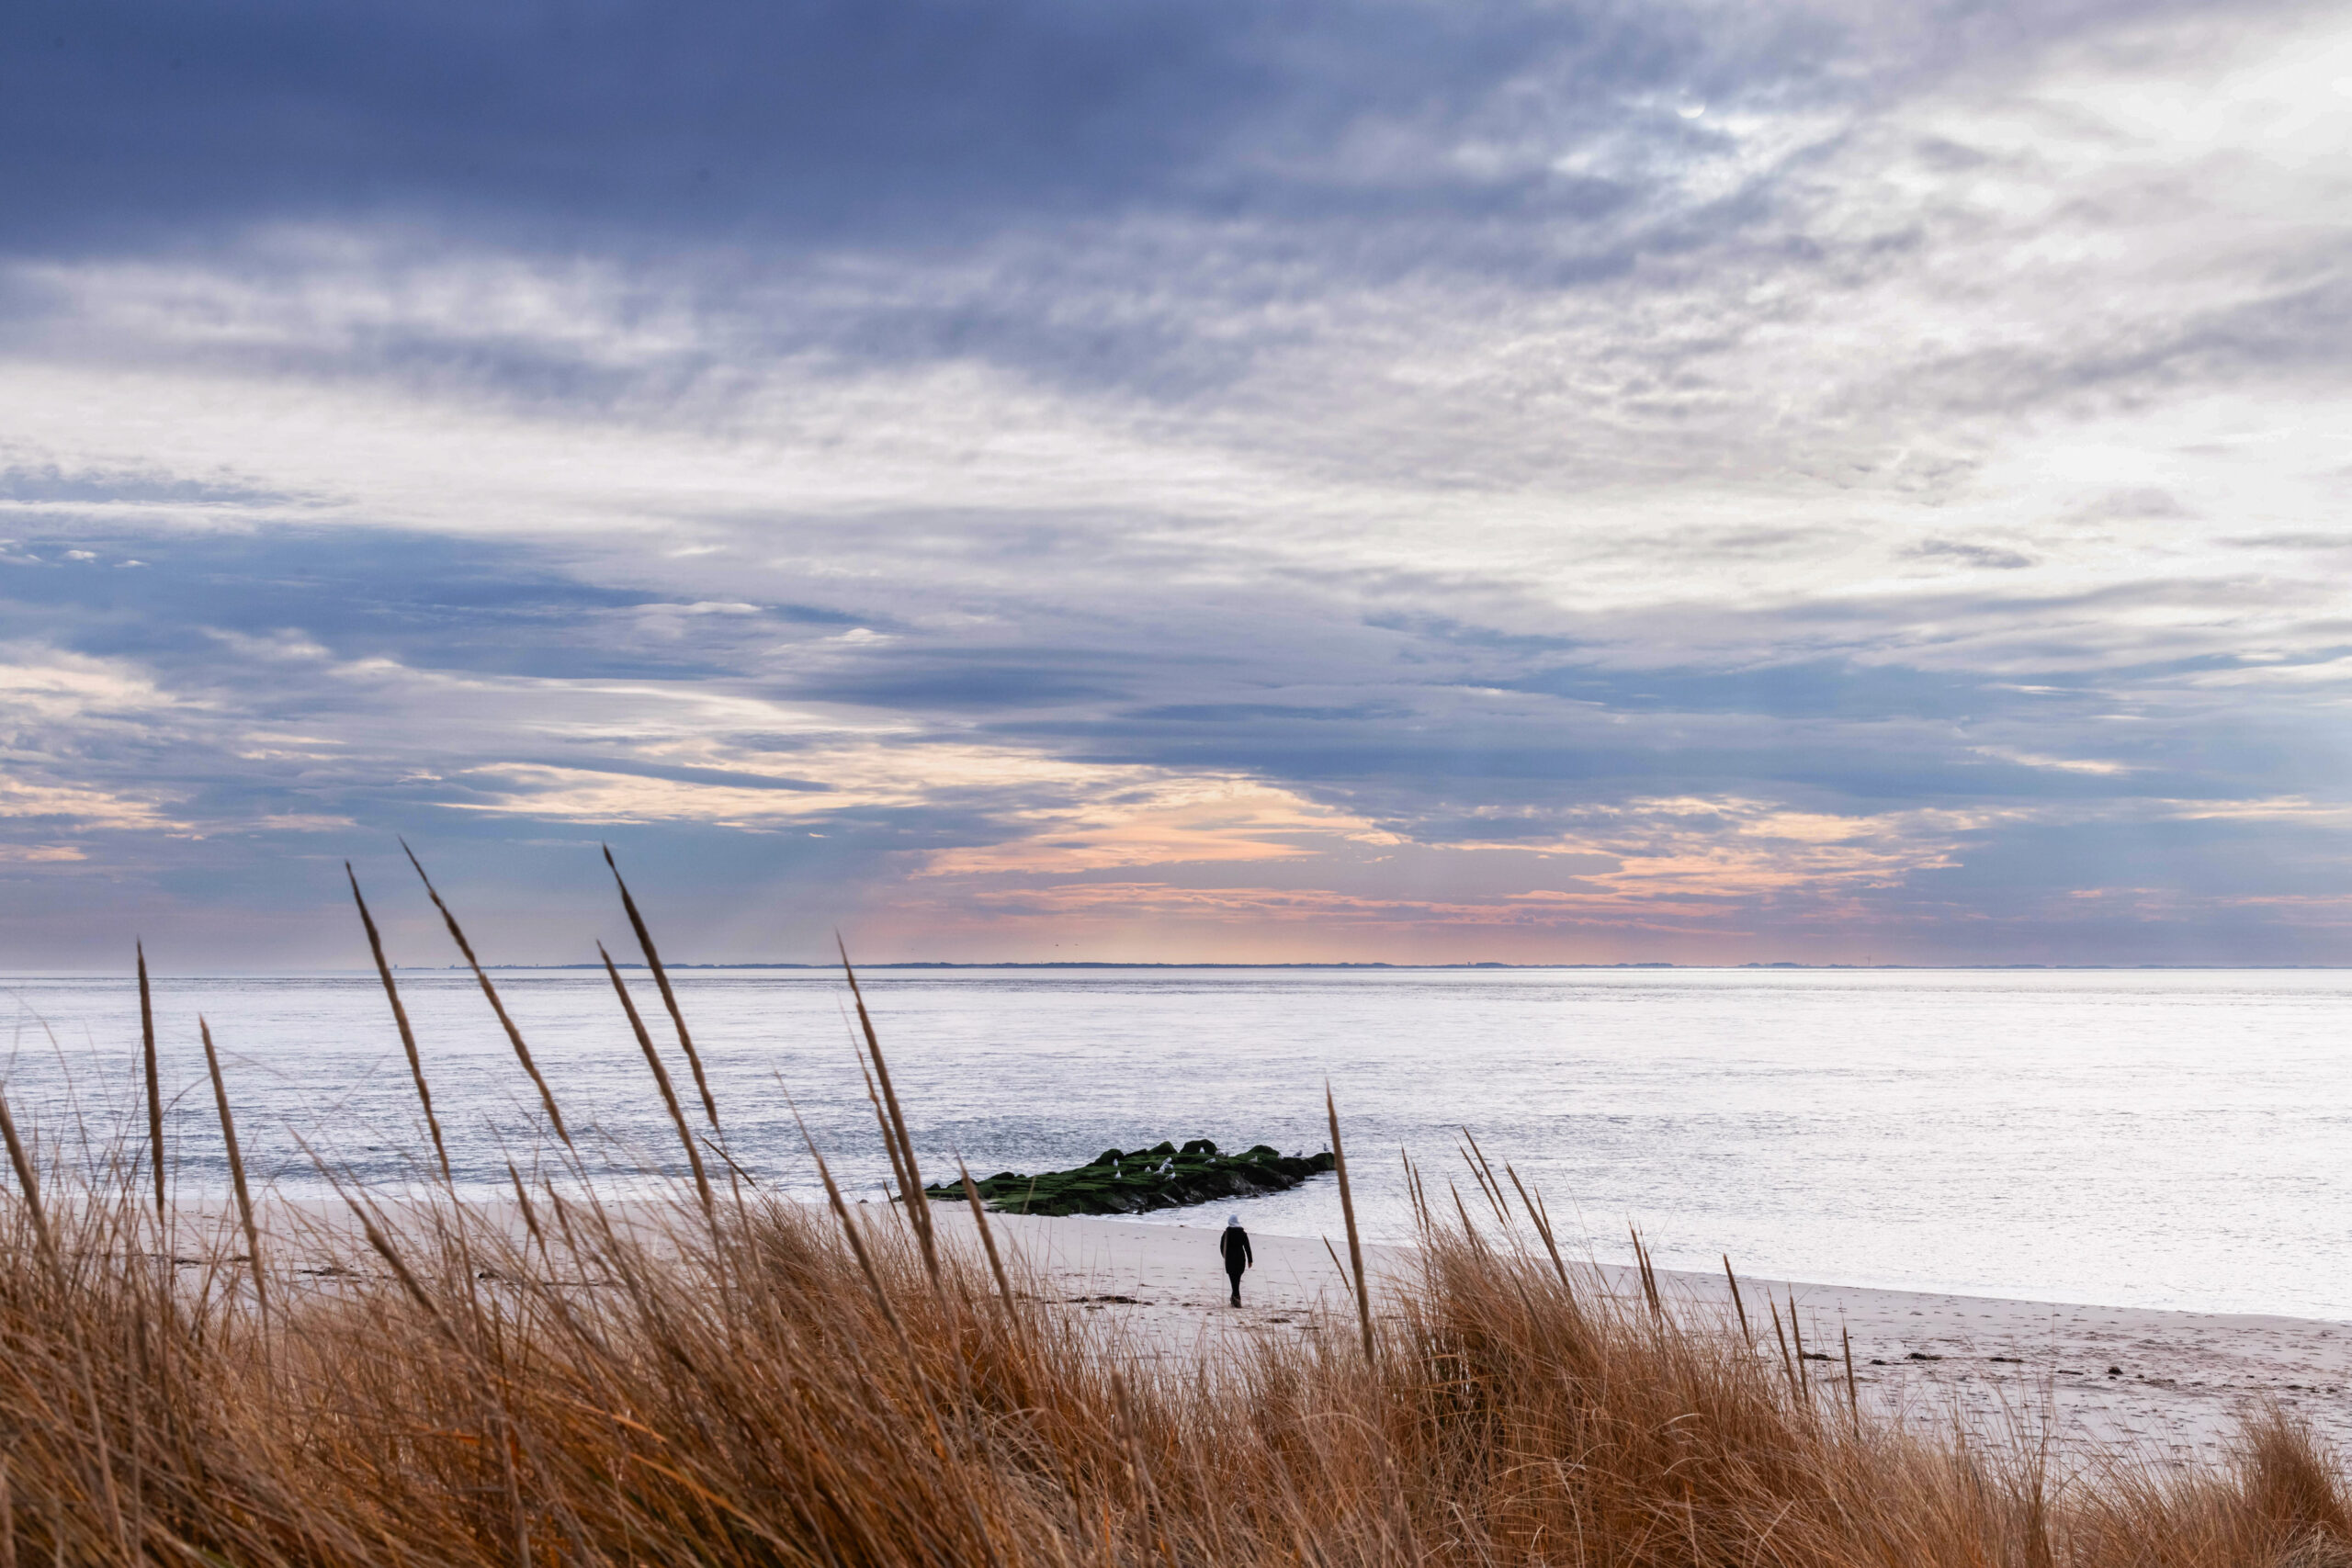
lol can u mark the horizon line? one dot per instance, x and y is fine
(1371, 963)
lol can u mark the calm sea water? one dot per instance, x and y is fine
(2176, 1139)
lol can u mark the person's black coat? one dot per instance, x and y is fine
(1234, 1246)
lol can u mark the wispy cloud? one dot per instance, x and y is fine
(1381, 479)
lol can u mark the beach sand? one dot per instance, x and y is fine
(2160, 1386)
(2178, 1384)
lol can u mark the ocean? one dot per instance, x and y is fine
(2159, 1138)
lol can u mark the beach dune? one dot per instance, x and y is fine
(2162, 1385)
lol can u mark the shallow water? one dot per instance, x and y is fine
(2145, 1138)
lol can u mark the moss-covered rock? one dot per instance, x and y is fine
(1136, 1181)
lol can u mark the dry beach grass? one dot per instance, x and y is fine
(743, 1380)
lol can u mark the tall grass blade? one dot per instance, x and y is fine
(408, 1035)
(236, 1163)
(514, 1035)
(1469, 1231)
(1853, 1397)
(1796, 1332)
(1648, 1274)
(1486, 1182)
(28, 1181)
(1339, 1268)
(154, 1082)
(1355, 1242)
(918, 1206)
(669, 998)
(1541, 1223)
(890, 1150)
(1787, 1366)
(988, 1236)
(848, 1228)
(662, 1080)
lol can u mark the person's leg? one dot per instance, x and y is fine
(1235, 1275)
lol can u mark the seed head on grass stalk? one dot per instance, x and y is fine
(662, 1081)
(236, 1163)
(399, 1020)
(890, 1149)
(918, 1206)
(1355, 1242)
(1542, 1223)
(514, 1035)
(1797, 1332)
(1486, 1182)
(154, 1083)
(848, 1224)
(661, 981)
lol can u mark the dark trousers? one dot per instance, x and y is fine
(1235, 1275)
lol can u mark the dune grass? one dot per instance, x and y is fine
(728, 1378)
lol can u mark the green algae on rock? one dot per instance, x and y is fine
(1137, 1180)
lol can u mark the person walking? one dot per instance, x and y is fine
(1235, 1245)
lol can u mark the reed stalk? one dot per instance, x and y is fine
(514, 1035)
(662, 983)
(918, 1206)
(1355, 1241)
(1796, 1332)
(236, 1163)
(408, 1035)
(154, 1083)
(662, 1081)
(1788, 1365)
(28, 1181)
(1853, 1395)
(988, 1236)
(1543, 1224)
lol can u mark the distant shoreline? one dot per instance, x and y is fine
(1343, 966)
(1695, 968)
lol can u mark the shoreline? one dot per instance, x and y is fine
(2000, 1368)
(1997, 1365)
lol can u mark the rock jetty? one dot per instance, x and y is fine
(1137, 1180)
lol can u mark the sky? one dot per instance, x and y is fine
(1406, 480)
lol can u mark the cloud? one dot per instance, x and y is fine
(1389, 474)
(1989, 555)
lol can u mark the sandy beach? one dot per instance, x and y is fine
(2167, 1385)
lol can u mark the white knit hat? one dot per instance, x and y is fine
(1234, 1218)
